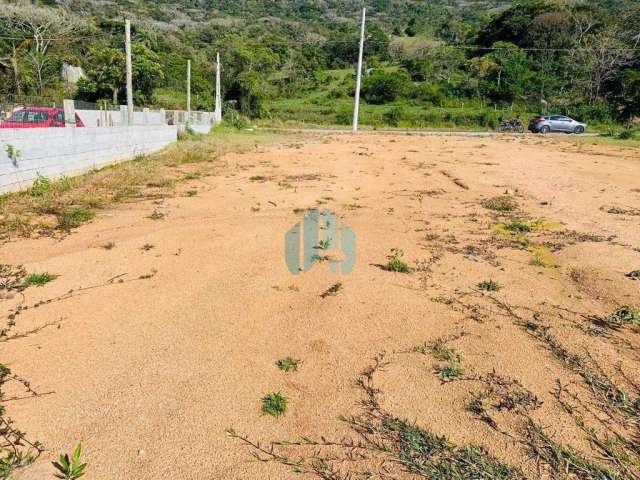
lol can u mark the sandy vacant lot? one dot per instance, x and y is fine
(172, 336)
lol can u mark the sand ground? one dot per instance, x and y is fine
(148, 372)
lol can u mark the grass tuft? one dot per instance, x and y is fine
(288, 364)
(449, 372)
(500, 204)
(69, 219)
(489, 286)
(157, 215)
(274, 404)
(39, 279)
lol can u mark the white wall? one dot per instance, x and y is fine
(54, 152)
(200, 121)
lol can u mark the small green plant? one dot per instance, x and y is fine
(489, 286)
(146, 247)
(518, 226)
(448, 372)
(622, 316)
(441, 351)
(343, 117)
(542, 256)
(395, 262)
(332, 290)
(234, 118)
(41, 186)
(157, 215)
(70, 468)
(258, 179)
(13, 153)
(73, 218)
(627, 134)
(288, 364)
(192, 176)
(274, 404)
(39, 279)
(394, 116)
(108, 246)
(500, 204)
(324, 244)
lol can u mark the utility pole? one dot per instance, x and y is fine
(217, 114)
(356, 107)
(127, 42)
(188, 91)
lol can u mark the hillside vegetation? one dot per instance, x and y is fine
(457, 62)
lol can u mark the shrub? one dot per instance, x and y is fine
(626, 134)
(343, 117)
(500, 204)
(235, 119)
(41, 186)
(429, 92)
(383, 87)
(393, 116)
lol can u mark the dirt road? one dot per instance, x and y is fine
(179, 339)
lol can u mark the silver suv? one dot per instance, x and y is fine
(556, 123)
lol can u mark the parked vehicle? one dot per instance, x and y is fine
(513, 125)
(556, 123)
(38, 117)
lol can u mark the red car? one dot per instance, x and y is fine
(37, 117)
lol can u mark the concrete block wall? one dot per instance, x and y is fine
(200, 121)
(56, 152)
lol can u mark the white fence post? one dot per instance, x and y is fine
(69, 113)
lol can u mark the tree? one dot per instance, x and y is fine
(605, 55)
(147, 73)
(105, 70)
(247, 67)
(40, 26)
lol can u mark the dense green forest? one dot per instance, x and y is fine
(294, 59)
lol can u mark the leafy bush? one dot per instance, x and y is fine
(394, 116)
(41, 186)
(383, 87)
(627, 134)
(344, 117)
(429, 92)
(234, 118)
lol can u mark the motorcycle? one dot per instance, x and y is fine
(514, 125)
